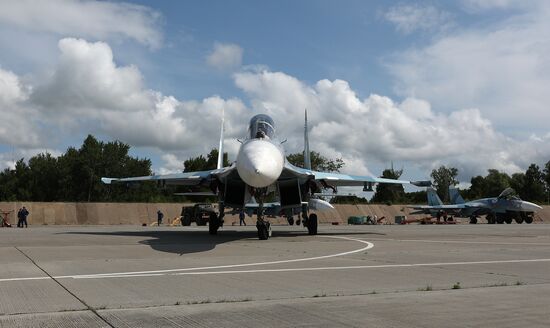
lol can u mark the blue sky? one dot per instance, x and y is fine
(419, 83)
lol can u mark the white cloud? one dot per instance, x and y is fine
(225, 56)
(377, 129)
(482, 5)
(502, 69)
(17, 125)
(91, 19)
(87, 92)
(408, 18)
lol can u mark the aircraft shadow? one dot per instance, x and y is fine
(188, 242)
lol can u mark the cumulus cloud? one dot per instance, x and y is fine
(377, 129)
(225, 56)
(408, 18)
(17, 125)
(502, 69)
(86, 18)
(87, 92)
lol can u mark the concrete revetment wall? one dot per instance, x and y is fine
(140, 213)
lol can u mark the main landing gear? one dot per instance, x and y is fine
(216, 221)
(310, 222)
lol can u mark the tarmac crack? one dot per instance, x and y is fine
(65, 288)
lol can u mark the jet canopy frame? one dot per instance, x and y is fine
(261, 126)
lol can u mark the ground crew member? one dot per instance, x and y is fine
(160, 215)
(241, 218)
(22, 217)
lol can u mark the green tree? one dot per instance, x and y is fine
(443, 178)
(44, 178)
(534, 189)
(547, 181)
(495, 183)
(202, 163)
(416, 197)
(517, 182)
(318, 162)
(348, 200)
(389, 193)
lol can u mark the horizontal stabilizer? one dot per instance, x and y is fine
(108, 180)
(422, 183)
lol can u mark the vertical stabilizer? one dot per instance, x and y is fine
(307, 158)
(455, 197)
(220, 148)
(433, 198)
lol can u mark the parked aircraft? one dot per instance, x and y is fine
(505, 208)
(260, 170)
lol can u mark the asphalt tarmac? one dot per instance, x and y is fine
(347, 276)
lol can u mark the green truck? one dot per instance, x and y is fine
(198, 213)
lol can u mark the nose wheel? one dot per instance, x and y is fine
(264, 229)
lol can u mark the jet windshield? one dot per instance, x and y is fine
(261, 126)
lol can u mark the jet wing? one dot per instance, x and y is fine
(339, 179)
(438, 207)
(185, 178)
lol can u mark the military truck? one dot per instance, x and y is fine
(198, 213)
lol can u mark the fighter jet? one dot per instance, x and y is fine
(505, 208)
(260, 170)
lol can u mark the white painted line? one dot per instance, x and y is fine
(164, 272)
(460, 242)
(23, 279)
(355, 267)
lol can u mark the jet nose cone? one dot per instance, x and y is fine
(259, 163)
(529, 207)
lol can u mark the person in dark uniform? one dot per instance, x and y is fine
(160, 215)
(22, 215)
(241, 218)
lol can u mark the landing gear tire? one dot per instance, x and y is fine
(500, 219)
(519, 220)
(290, 221)
(298, 222)
(508, 220)
(473, 220)
(529, 220)
(214, 224)
(264, 230)
(312, 224)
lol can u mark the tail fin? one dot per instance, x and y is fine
(307, 158)
(220, 148)
(433, 198)
(455, 197)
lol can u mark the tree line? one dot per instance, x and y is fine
(75, 176)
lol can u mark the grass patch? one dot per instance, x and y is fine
(428, 288)
(499, 284)
(457, 285)
(519, 283)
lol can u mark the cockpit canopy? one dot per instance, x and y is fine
(261, 126)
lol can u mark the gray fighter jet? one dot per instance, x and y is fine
(505, 208)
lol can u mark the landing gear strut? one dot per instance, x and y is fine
(216, 221)
(312, 224)
(263, 226)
